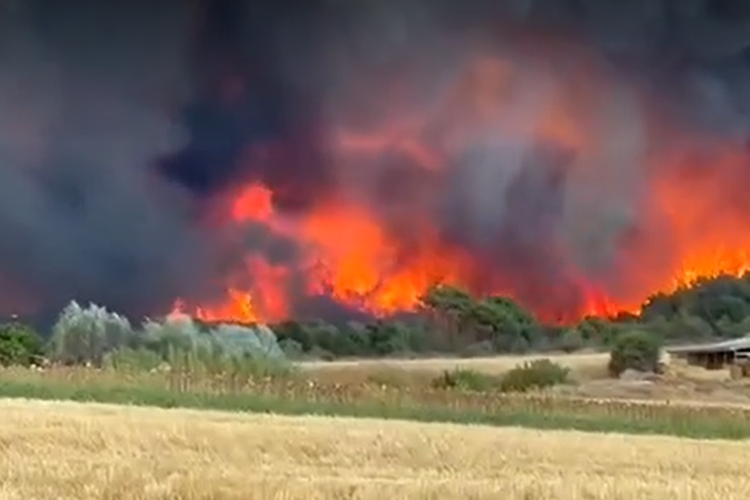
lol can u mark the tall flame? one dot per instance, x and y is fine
(695, 213)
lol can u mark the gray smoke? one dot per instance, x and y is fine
(91, 96)
(80, 121)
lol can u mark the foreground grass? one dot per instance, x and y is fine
(295, 397)
(73, 451)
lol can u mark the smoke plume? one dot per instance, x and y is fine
(529, 135)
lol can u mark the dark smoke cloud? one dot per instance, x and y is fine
(118, 121)
(80, 121)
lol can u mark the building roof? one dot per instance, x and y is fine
(725, 346)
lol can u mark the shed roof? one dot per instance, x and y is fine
(725, 346)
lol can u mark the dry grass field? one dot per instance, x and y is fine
(589, 370)
(55, 450)
(583, 366)
(489, 364)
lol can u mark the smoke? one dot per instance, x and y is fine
(79, 123)
(120, 123)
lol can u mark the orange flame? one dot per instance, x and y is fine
(695, 224)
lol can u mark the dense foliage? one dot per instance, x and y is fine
(450, 320)
(635, 350)
(532, 375)
(19, 345)
(94, 336)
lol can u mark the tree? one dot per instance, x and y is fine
(510, 327)
(83, 336)
(327, 337)
(296, 332)
(499, 320)
(721, 298)
(448, 298)
(19, 345)
(390, 337)
(448, 307)
(635, 350)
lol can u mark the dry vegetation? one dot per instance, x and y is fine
(363, 391)
(588, 370)
(72, 451)
(489, 364)
(584, 365)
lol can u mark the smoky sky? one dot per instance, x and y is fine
(120, 121)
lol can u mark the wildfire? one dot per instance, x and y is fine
(694, 223)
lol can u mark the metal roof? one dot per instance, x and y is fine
(725, 346)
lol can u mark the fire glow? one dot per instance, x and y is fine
(690, 219)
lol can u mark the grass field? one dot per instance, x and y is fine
(584, 366)
(589, 371)
(489, 364)
(55, 450)
(299, 396)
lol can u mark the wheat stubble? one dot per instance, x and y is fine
(61, 450)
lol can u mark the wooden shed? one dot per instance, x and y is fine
(716, 356)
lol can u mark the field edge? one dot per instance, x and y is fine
(704, 428)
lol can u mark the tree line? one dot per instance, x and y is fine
(450, 320)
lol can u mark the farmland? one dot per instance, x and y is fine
(364, 390)
(584, 363)
(587, 370)
(141, 418)
(74, 451)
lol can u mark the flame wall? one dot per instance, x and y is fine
(252, 160)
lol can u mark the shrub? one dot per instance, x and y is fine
(293, 331)
(132, 360)
(292, 349)
(389, 338)
(571, 340)
(177, 332)
(253, 348)
(257, 342)
(185, 345)
(465, 380)
(86, 335)
(19, 345)
(635, 350)
(534, 375)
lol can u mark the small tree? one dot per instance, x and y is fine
(86, 335)
(447, 307)
(635, 350)
(19, 344)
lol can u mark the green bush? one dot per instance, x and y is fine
(251, 351)
(571, 340)
(635, 350)
(465, 380)
(19, 345)
(534, 375)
